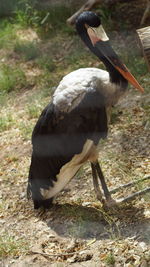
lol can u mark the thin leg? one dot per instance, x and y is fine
(129, 184)
(134, 195)
(96, 184)
(97, 172)
(103, 183)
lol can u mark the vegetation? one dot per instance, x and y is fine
(11, 78)
(10, 246)
(28, 50)
(5, 122)
(110, 259)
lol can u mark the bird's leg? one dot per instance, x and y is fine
(133, 195)
(95, 183)
(102, 179)
(109, 200)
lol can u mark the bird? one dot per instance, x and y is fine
(68, 132)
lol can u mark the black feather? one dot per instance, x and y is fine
(56, 140)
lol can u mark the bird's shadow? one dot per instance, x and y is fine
(77, 221)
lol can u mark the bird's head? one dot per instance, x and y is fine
(91, 31)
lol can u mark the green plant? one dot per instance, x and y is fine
(11, 79)
(42, 17)
(109, 259)
(28, 18)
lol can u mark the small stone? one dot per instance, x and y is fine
(143, 246)
(85, 204)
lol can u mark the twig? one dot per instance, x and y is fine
(54, 255)
(63, 254)
(146, 13)
(87, 6)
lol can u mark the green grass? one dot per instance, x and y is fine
(82, 218)
(48, 80)
(10, 246)
(33, 111)
(49, 24)
(110, 259)
(136, 64)
(44, 20)
(7, 34)
(27, 50)
(6, 122)
(46, 62)
(80, 213)
(11, 78)
(36, 102)
(26, 15)
(26, 129)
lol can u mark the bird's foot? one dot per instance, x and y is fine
(113, 191)
(134, 195)
(45, 204)
(109, 202)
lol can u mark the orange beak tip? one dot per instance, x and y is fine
(130, 78)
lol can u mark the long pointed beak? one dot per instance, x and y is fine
(105, 49)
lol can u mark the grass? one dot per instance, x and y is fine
(11, 78)
(6, 122)
(50, 24)
(7, 34)
(46, 62)
(36, 102)
(82, 219)
(136, 64)
(45, 20)
(27, 50)
(27, 15)
(33, 111)
(10, 246)
(80, 213)
(26, 128)
(109, 259)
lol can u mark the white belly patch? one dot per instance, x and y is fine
(69, 169)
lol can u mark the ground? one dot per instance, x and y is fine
(77, 230)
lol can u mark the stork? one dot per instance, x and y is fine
(69, 129)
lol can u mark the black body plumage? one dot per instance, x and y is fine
(57, 137)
